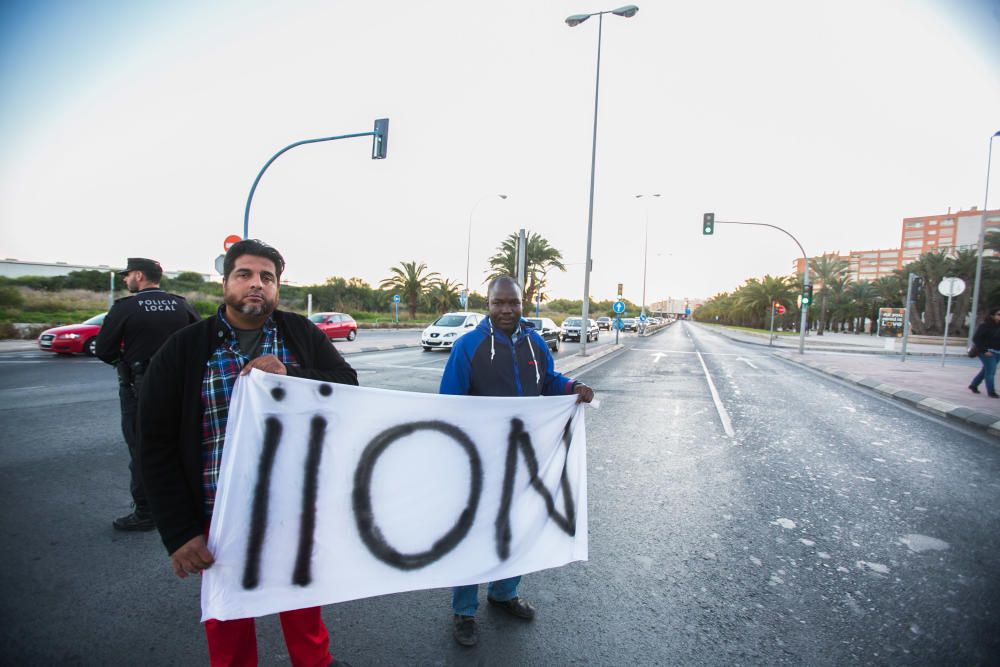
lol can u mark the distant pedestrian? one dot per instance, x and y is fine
(182, 429)
(132, 332)
(503, 356)
(987, 342)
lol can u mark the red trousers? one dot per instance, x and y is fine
(234, 643)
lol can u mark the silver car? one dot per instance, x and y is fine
(571, 329)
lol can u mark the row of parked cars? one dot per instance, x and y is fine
(442, 334)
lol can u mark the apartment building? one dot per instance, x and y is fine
(949, 232)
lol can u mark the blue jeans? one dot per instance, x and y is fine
(987, 372)
(465, 599)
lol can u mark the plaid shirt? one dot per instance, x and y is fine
(223, 368)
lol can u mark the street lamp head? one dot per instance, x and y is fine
(628, 11)
(502, 196)
(996, 134)
(576, 19)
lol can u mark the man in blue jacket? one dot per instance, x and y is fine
(503, 356)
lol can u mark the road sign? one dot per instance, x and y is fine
(618, 324)
(618, 307)
(687, 311)
(779, 309)
(219, 264)
(951, 286)
(395, 298)
(230, 241)
(642, 317)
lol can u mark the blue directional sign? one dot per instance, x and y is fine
(619, 307)
(395, 298)
(642, 317)
(687, 311)
(618, 324)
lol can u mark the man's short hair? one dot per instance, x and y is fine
(502, 280)
(254, 247)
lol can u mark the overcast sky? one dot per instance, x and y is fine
(136, 129)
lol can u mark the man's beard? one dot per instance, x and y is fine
(265, 307)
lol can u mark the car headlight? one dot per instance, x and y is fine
(69, 335)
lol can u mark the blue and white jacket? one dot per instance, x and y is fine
(484, 362)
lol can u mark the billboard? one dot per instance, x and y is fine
(890, 322)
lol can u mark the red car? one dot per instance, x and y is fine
(73, 338)
(336, 325)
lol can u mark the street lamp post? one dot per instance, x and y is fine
(645, 255)
(627, 11)
(468, 249)
(982, 237)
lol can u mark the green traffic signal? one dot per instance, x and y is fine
(708, 224)
(807, 295)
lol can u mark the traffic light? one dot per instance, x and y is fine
(708, 225)
(807, 295)
(380, 139)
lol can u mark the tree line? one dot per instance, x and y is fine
(419, 288)
(841, 303)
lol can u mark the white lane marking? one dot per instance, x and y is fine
(707, 354)
(749, 363)
(727, 424)
(412, 368)
(658, 356)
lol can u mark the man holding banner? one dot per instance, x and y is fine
(503, 356)
(183, 412)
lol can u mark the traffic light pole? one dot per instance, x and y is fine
(380, 137)
(805, 272)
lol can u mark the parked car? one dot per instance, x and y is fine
(548, 330)
(73, 338)
(447, 329)
(571, 329)
(336, 325)
(630, 324)
(604, 323)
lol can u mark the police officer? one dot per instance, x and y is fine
(132, 332)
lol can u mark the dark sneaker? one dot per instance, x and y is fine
(974, 389)
(515, 607)
(993, 394)
(466, 630)
(134, 521)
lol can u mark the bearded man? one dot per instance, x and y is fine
(183, 409)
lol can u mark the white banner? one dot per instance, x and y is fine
(330, 493)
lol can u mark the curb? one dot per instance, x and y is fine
(378, 348)
(576, 362)
(827, 347)
(967, 415)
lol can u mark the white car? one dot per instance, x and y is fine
(571, 329)
(447, 329)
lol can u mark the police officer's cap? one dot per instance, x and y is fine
(150, 267)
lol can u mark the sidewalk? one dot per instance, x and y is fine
(921, 380)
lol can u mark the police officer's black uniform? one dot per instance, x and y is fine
(132, 332)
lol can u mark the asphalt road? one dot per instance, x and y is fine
(742, 511)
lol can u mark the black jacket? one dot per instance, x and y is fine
(144, 321)
(170, 413)
(987, 336)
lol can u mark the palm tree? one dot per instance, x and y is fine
(825, 270)
(861, 297)
(443, 295)
(540, 257)
(410, 279)
(755, 297)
